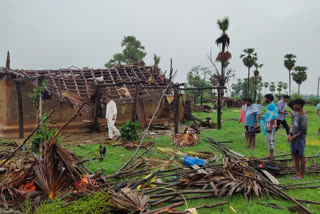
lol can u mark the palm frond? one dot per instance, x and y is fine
(130, 202)
(186, 139)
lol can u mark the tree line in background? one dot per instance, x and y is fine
(133, 53)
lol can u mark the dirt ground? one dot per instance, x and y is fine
(86, 137)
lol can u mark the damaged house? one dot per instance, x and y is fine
(119, 82)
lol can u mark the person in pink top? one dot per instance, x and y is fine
(243, 115)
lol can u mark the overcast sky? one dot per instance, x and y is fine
(55, 34)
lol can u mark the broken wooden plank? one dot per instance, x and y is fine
(270, 177)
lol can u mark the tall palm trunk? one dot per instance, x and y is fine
(248, 85)
(255, 91)
(222, 73)
(289, 82)
(298, 88)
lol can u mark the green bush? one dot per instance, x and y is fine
(295, 96)
(43, 135)
(130, 131)
(96, 203)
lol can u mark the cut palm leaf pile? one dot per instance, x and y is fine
(170, 151)
(155, 163)
(130, 202)
(186, 139)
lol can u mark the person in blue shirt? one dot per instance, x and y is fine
(318, 112)
(259, 106)
(251, 116)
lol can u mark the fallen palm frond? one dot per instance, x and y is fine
(132, 145)
(77, 100)
(186, 139)
(130, 202)
(155, 163)
(170, 151)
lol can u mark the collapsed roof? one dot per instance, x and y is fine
(81, 81)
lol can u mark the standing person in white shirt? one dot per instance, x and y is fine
(111, 115)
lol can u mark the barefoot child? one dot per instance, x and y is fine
(271, 124)
(251, 122)
(293, 114)
(298, 138)
(242, 115)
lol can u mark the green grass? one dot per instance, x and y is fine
(231, 130)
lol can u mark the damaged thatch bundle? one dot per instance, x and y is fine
(77, 100)
(186, 139)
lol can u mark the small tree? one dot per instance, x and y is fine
(272, 87)
(132, 54)
(265, 85)
(289, 62)
(257, 79)
(285, 86)
(300, 75)
(279, 88)
(249, 59)
(130, 131)
(198, 77)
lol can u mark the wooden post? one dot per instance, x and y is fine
(39, 105)
(96, 112)
(20, 107)
(134, 105)
(219, 108)
(19, 95)
(171, 71)
(176, 109)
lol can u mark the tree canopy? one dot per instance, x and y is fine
(132, 53)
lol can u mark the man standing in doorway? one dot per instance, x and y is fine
(111, 115)
(271, 124)
(282, 113)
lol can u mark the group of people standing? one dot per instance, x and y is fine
(274, 116)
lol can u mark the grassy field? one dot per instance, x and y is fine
(231, 130)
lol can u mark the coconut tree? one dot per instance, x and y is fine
(289, 62)
(265, 85)
(249, 58)
(257, 79)
(272, 87)
(300, 75)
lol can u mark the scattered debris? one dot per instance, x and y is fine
(186, 139)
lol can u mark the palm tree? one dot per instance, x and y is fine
(289, 61)
(299, 75)
(266, 85)
(224, 42)
(257, 79)
(248, 59)
(272, 87)
(285, 86)
(279, 88)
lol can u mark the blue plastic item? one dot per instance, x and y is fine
(190, 160)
